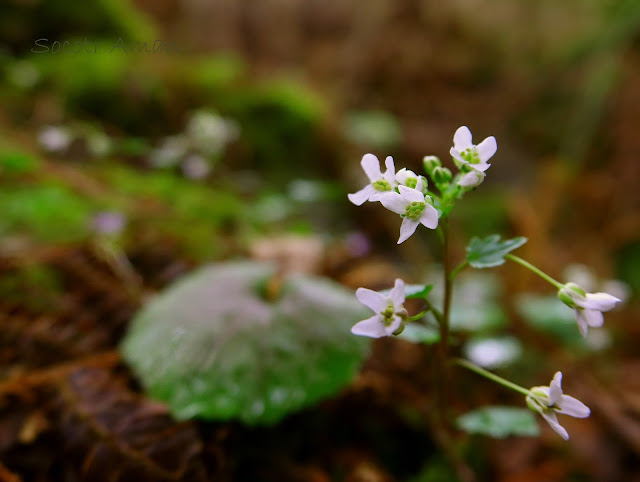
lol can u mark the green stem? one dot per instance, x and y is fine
(443, 347)
(419, 315)
(436, 312)
(491, 376)
(457, 270)
(537, 271)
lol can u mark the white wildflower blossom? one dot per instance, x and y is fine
(472, 179)
(469, 154)
(390, 314)
(548, 401)
(588, 307)
(379, 183)
(413, 206)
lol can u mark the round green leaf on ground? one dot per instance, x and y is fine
(222, 343)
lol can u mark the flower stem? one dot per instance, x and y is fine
(537, 271)
(443, 347)
(457, 269)
(419, 315)
(436, 312)
(491, 376)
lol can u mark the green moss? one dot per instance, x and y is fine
(14, 161)
(48, 213)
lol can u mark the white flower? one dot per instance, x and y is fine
(588, 306)
(407, 178)
(390, 315)
(412, 205)
(466, 152)
(54, 139)
(472, 179)
(380, 183)
(550, 400)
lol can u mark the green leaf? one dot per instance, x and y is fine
(490, 251)
(417, 333)
(221, 344)
(493, 352)
(417, 291)
(500, 422)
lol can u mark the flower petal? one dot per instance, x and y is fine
(371, 327)
(573, 407)
(403, 174)
(360, 197)
(487, 148)
(397, 294)
(372, 299)
(483, 166)
(472, 179)
(462, 139)
(555, 389)
(552, 420)
(599, 301)
(411, 195)
(395, 324)
(393, 202)
(429, 217)
(583, 325)
(371, 167)
(593, 317)
(407, 228)
(391, 168)
(456, 154)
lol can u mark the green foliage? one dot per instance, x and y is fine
(490, 251)
(549, 315)
(220, 344)
(629, 266)
(500, 422)
(187, 211)
(24, 22)
(279, 124)
(417, 333)
(47, 212)
(13, 161)
(38, 287)
(475, 306)
(417, 291)
(373, 129)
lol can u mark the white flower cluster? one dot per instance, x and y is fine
(406, 193)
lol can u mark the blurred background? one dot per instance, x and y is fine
(140, 139)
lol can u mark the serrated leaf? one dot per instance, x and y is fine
(500, 422)
(215, 346)
(416, 333)
(490, 251)
(417, 291)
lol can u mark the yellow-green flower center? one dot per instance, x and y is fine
(388, 315)
(414, 210)
(471, 155)
(381, 185)
(411, 182)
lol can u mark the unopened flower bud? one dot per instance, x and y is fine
(430, 163)
(441, 175)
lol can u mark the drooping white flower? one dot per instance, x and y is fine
(379, 183)
(390, 314)
(588, 306)
(472, 179)
(548, 401)
(474, 156)
(413, 206)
